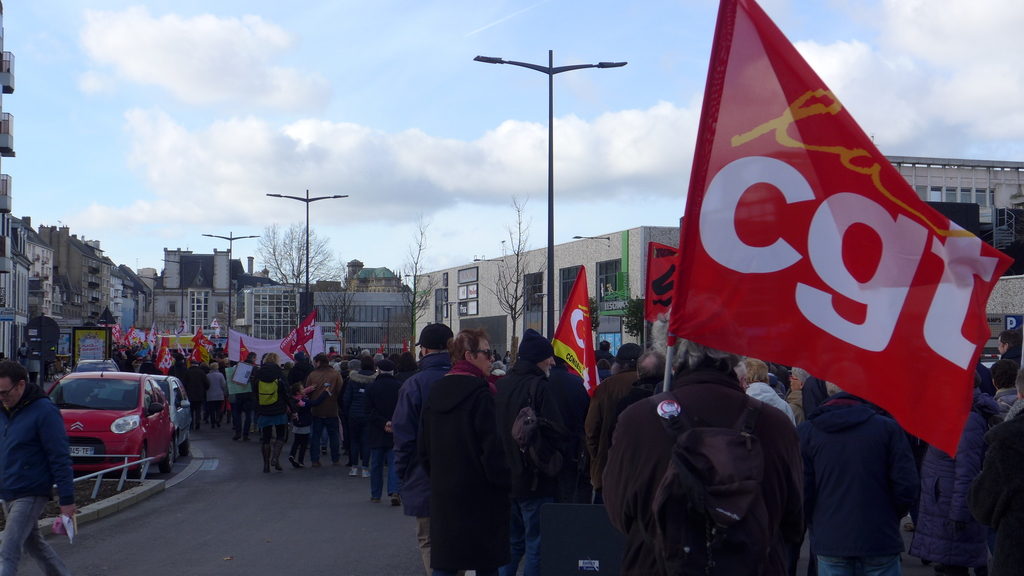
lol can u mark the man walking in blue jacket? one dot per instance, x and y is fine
(34, 455)
(413, 482)
(859, 481)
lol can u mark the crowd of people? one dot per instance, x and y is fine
(726, 473)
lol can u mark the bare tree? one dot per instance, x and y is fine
(283, 252)
(509, 289)
(418, 296)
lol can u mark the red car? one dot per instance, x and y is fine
(116, 413)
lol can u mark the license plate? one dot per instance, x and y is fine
(81, 450)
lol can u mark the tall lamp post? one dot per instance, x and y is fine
(231, 288)
(308, 201)
(550, 70)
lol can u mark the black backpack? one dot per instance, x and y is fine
(540, 440)
(710, 516)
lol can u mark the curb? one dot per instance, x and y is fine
(118, 502)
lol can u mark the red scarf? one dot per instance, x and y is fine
(467, 368)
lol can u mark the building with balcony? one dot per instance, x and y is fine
(137, 301)
(87, 271)
(467, 296)
(40, 254)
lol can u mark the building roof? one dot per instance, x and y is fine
(367, 273)
(197, 272)
(31, 236)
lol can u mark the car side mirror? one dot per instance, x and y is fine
(155, 408)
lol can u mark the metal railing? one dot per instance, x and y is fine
(122, 467)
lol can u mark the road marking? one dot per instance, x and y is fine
(210, 464)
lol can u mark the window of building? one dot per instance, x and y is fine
(566, 278)
(439, 306)
(935, 195)
(199, 308)
(172, 307)
(608, 279)
(220, 307)
(950, 194)
(981, 196)
(965, 195)
(533, 315)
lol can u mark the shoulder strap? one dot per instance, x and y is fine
(748, 417)
(674, 425)
(531, 395)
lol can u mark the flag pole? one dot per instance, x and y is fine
(669, 353)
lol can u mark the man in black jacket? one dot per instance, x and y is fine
(530, 488)
(379, 403)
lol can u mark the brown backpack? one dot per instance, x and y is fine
(538, 438)
(710, 516)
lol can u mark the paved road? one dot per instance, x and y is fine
(312, 521)
(308, 521)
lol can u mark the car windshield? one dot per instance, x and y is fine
(96, 366)
(96, 394)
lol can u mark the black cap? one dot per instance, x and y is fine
(628, 353)
(385, 365)
(435, 337)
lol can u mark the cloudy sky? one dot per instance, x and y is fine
(147, 124)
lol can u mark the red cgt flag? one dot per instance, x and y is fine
(801, 244)
(662, 263)
(164, 360)
(296, 339)
(574, 340)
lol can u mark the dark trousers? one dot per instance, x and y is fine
(346, 440)
(197, 413)
(213, 410)
(360, 450)
(237, 410)
(299, 446)
(281, 431)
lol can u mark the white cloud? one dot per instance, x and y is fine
(92, 82)
(202, 60)
(229, 167)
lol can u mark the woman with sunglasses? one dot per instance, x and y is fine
(462, 454)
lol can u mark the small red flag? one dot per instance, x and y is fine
(801, 244)
(243, 352)
(405, 345)
(662, 263)
(574, 340)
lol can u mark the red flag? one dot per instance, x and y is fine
(298, 337)
(164, 360)
(243, 352)
(802, 245)
(662, 263)
(405, 345)
(574, 340)
(337, 328)
(382, 345)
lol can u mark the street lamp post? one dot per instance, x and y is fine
(231, 288)
(387, 335)
(550, 70)
(307, 201)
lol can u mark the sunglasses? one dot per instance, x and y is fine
(486, 351)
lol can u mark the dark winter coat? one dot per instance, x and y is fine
(270, 372)
(149, 368)
(379, 403)
(513, 393)
(413, 482)
(461, 452)
(1013, 354)
(573, 403)
(996, 497)
(299, 371)
(986, 378)
(641, 450)
(599, 418)
(179, 370)
(859, 479)
(814, 395)
(946, 532)
(354, 391)
(196, 384)
(34, 450)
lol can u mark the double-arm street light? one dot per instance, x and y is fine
(231, 288)
(550, 70)
(308, 201)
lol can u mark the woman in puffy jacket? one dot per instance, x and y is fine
(946, 533)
